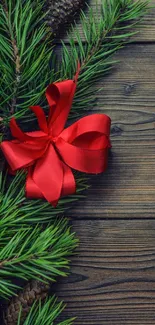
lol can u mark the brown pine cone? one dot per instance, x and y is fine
(34, 290)
(61, 12)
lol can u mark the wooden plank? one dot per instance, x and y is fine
(146, 31)
(130, 85)
(127, 189)
(112, 277)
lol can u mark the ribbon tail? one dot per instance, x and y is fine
(69, 185)
(46, 179)
(31, 189)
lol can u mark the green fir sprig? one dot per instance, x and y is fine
(102, 33)
(34, 253)
(16, 209)
(25, 60)
(45, 313)
(27, 63)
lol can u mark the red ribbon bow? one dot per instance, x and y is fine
(49, 154)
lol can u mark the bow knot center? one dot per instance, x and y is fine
(52, 138)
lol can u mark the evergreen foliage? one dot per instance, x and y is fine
(27, 62)
(104, 32)
(26, 53)
(45, 314)
(34, 253)
(32, 244)
(16, 209)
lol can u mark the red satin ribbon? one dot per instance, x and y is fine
(49, 154)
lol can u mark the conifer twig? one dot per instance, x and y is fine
(103, 36)
(16, 60)
(103, 32)
(41, 313)
(33, 291)
(26, 51)
(16, 209)
(34, 253)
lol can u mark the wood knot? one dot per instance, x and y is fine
(116, 130)
(129, 88)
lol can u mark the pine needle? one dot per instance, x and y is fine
(45, 313)
(26, 52)
(104, 32)
(34, 253)
(16, 209)
(29, 252)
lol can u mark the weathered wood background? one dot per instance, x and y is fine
(112, 277)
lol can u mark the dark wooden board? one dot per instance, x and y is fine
(112, 277)
(112, 280)
(127, 189)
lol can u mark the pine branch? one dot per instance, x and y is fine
(105, 31)
(46, 314)
(104, 34)
(34, 253)
(25, 56)
(16, 210)
(27, 61)
(37, 253)
(25, 67)
(16, 60)
(42, 313)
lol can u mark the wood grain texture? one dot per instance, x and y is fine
(112, 279)
(127, 189)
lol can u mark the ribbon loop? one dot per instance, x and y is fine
(62, 95)
(41, 118)
(50, 153)
(17, 132)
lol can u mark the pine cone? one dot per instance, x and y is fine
(61, 12)
(34, 290)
